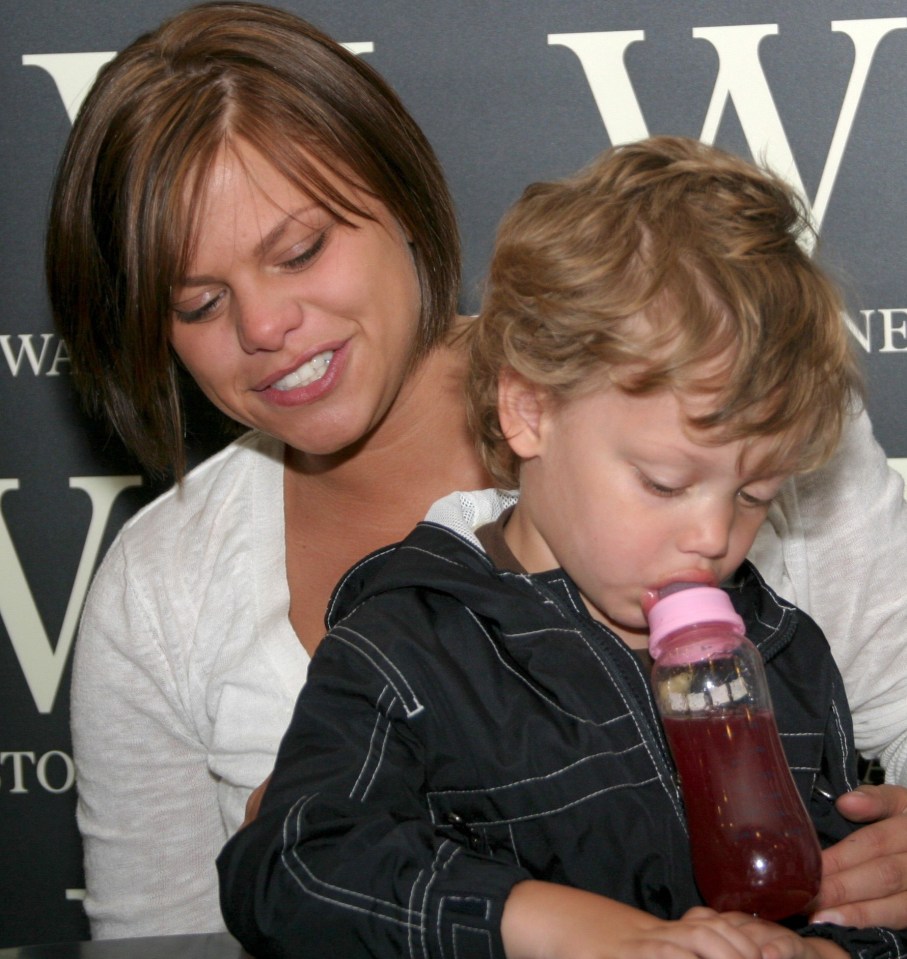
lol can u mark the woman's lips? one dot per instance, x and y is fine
(309, 372)
(311, 368)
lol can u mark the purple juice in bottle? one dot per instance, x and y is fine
(754, 848)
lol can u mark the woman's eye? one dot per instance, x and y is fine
(302, 260)
(202, 312)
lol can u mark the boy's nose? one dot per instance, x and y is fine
(707, 530)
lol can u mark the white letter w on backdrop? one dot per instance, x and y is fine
(41, 662)
(74, 73)
(741, 81)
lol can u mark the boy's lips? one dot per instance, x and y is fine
(701, 577)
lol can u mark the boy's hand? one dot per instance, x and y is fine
(864, 877)
(548, 921)
(776, 942)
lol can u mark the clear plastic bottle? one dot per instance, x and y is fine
(754, 847)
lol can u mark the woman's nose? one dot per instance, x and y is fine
(263, 321)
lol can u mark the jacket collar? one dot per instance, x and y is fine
(436, 558)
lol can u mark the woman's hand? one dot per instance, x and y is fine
(864, 877)
(253, 803)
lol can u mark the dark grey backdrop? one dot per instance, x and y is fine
(504, 101)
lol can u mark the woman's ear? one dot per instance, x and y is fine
(521, 407)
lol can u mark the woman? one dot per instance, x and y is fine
(242, 197)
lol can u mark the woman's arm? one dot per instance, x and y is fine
(838, 547)
(843, 536)
(147, 807)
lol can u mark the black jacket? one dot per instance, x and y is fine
(463, 729)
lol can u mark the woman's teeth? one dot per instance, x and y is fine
(309, 372)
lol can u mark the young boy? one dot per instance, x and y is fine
(475, 766)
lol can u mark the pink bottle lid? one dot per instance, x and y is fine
(690, 606)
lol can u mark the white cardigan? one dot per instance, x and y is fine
(186, 667)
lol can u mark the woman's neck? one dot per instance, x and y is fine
(422, 443)
(342, 507)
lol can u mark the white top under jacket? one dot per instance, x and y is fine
(187, 669)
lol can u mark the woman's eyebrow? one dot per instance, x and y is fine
(278, 230)
(261, 248)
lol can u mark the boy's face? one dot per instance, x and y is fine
(615, 492)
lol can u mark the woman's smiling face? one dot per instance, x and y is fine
(291, 321)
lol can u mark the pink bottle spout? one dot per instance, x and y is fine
(684, 605)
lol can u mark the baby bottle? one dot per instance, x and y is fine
(754, 848)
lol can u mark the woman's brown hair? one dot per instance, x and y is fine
(121, 227)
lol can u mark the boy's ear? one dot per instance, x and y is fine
(521, 406)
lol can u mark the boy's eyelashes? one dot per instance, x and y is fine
(764, 490)
(659, 489)
(754, 501)
(667, 490)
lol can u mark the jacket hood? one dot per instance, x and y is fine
(435, 558)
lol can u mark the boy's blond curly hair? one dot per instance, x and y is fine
(667, 264)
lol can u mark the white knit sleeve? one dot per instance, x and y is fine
(147, 805)
(853, 521)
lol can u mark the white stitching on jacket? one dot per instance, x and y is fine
(376, 657)
(380, 720)
(391, 912)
